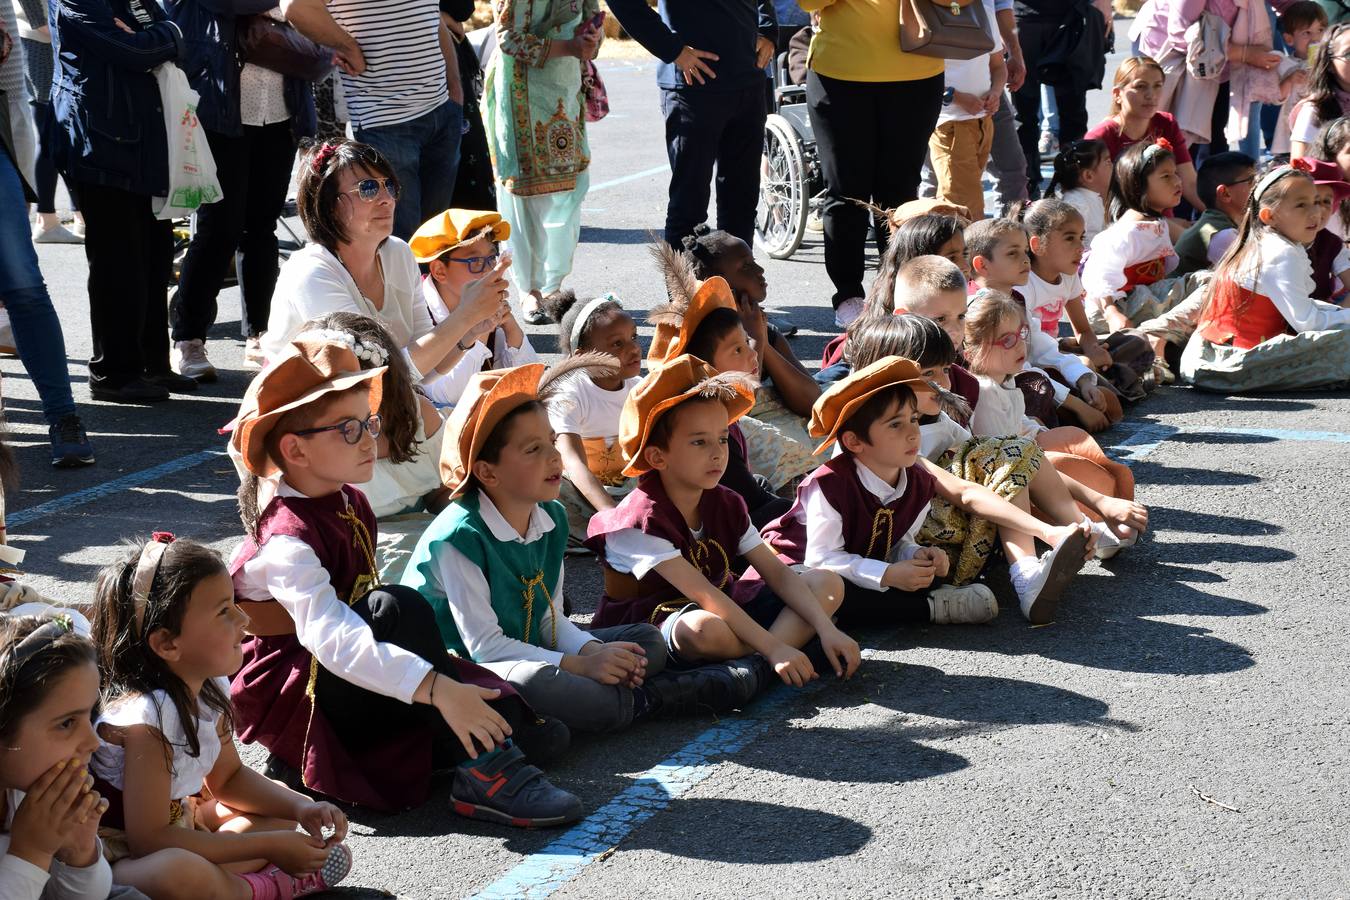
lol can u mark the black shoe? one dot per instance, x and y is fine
(757, 671)
(537, 316)
(70, 444)
(543, 739)
(278, 769)
(714, 688)
(139, 390)
(172, 381)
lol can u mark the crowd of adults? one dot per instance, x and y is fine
(82, 100)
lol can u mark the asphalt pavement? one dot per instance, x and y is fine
(1179, 732)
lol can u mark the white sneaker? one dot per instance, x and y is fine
(57, 234)
(973, 604)
(814, 223)
(1049, 144)
(848, 311)
(254, 358)
(189, 359)
(1108, 542)
(1039, 582)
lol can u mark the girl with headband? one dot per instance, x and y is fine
(169, 634)
(1260, 329)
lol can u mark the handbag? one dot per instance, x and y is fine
(192, 168)
(263, 41)
(597, 98)
(950, 30)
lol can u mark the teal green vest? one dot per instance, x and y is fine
(521, 577)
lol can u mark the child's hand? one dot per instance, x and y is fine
(81, 849)
(991, 101)
(297, 853)
(1087, 387)
(791, 665)
(315, 817)
(1115, 318)
(971, 103)
(938, 558)
(1054, 535)
(51, 812)
(754, 320)
(910, 575)
(1097, 355)
(1088, 416)
(842, 652)
(464, 708)
(616, 662)
(1125, 513)
(480, 299)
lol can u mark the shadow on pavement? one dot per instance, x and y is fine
(1153, 474)
(1202, 552)
(1164, 518)
(1220, 437)
(593, 235)
(874, 755)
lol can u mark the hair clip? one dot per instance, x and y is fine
(372, 353)
(1161, 145)
(1302, 164)
(1299, 165)
(56, 627)
(322, 156)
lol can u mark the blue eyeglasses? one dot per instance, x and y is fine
(369, 188)
(477, 265)
(350, 429)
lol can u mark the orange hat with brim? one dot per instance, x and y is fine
(683, 378)
(837, 404)
(489, 397)
(455, 228)
(305, 371)
(671, 339)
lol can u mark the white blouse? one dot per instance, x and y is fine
(21, 880)
(1002, 411)
(397, 487)
(1282, 272)
(588, 411)
(1091, 207)
(446, 389)
(1124, 243)
(936, 438)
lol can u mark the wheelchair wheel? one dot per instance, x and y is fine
(780, 220)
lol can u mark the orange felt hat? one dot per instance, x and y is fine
(311, 366)
(690, 302)
(455, 228)
(683, 378)
(834, 407)
(491, 396)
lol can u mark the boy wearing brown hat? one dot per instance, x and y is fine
(671, 550)
(344, 680)
(858, 514)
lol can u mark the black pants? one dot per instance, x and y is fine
(872, 138)
(254, 171)
(707, 130)
(44, 122)
(130, 255)
(864, 607)
(399, 615)
(1071, 98)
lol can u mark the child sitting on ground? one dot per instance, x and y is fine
(346, 681)
(1260, 329)
(673, 548)
(49, 846)
(1224, 184)
(983, 486)
(858, 514)
(491, 565)
(996, 334)
(584, 411)
(1082, 179)
(169, 636)
(999, 255)
(1327, 252)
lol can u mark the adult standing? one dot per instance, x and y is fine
(475, 185)
(37, 330)
(252, 119)
(713, 97)
(872, 107)
(118, 156)
(400, 79)
(533, 116)
(37, 57)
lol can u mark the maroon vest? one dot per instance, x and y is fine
(1322, 253)
(964, 384)
(870, 529)
(648, 509)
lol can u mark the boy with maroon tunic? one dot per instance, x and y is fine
(344, 680)
(858, 514)
(673, 548)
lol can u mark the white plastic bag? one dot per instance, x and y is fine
(192, 169)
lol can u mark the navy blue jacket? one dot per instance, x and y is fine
(104, 95)
(725, 27)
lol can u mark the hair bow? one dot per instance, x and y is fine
(321, 157)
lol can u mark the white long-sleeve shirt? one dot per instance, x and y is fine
(936, 438)
(446, 389)
(1002, 411)
(1091, 207)
(825, 531)
(1045, 303)
(287, 570)
(470, 598)
(21, 880)
(1282, 272)
(1123, 244)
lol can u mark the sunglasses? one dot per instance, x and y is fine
(369, 188)
(1013, 338)
(349, 428)
(477, 265)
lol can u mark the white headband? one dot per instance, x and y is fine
(1153, 149)
(589, 310)
(1270, 178)
(371, 352)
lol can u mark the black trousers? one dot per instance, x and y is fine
(707, 131)
(872, 138)
(865, 607)
(399, 615)
(130, 255)
(254, 171)
(1071, 97)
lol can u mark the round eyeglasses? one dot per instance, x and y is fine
(369, 188)
(1013, 338)
(350, 429)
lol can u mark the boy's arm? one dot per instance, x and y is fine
(797, 596)
(579, 473)
(692, 584)
(1087, 338)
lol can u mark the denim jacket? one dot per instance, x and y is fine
(104, 95)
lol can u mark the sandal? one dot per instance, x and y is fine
(509, 791)
(535, 316)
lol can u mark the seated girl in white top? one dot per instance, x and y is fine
(346, 195)
(170, 634)
(1082, 177)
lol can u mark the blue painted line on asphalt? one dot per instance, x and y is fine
(1143, 438)
(108, 488)
(624, 179)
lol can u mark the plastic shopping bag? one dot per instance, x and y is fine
(192, 169)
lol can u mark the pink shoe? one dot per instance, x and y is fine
(274, 884)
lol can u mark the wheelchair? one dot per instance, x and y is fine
(791, 186)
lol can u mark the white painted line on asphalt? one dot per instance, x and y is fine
(624, 179)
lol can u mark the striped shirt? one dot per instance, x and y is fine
(405, 70)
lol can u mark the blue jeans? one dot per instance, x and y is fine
(37, 330)
(425, 155)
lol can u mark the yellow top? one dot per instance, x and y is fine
(859, 40)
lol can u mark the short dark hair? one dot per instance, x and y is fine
(316, 193)
(916, 338)
(1219, 169)
(706, 247)
(1301, 14)
(715, 325)
(874, 407)
(1129, 181)
(984, 236)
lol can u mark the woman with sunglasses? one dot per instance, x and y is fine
(346, 194)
